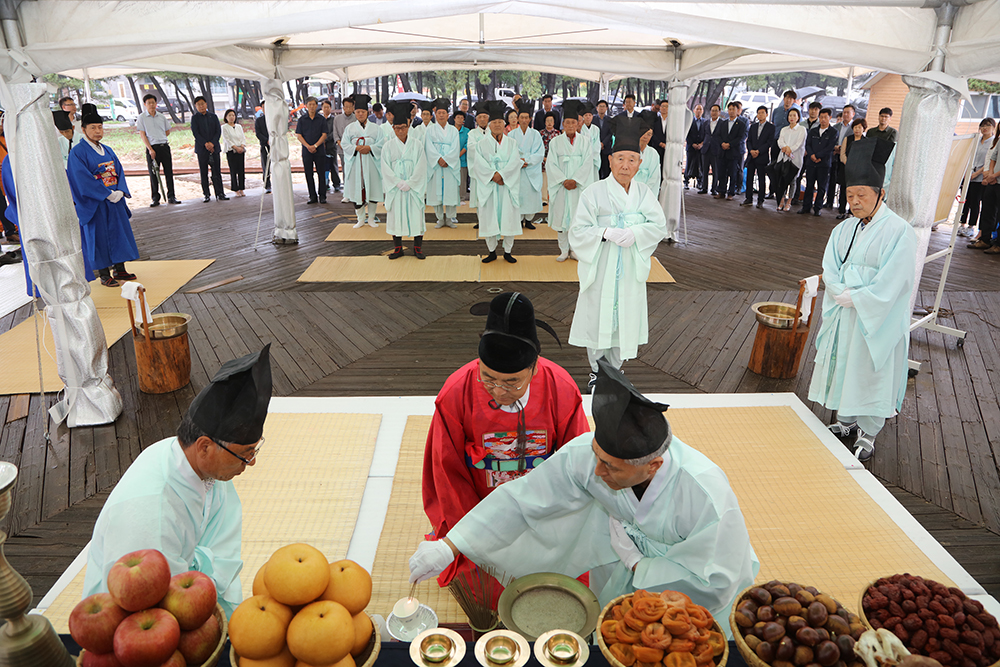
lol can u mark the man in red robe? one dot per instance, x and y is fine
(496, 417)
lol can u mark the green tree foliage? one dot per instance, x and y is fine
(982, 86)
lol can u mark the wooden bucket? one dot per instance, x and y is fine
(163, 364)
(777, 353)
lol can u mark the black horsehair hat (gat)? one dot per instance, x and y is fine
(510, 342)
(866, 163)
(627, 425)
(233, 407)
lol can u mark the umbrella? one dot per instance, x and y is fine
(408, 97)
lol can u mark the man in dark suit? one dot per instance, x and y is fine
(539, 122)
(207, 134)
(659, 140)
(819, 156)
(263, 136)
(711, 151)
(759, 141)
(693, 143)
(732, 139)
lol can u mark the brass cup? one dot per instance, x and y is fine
(436, 648)
(562, 648)
(501, 650)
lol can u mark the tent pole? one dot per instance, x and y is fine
(850, 84)
(86, 84)
(276, 114)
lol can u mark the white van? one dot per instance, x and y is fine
(125, 110)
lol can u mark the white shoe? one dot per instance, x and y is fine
(563, 257)
(453, 223)
(439, 225)
(359, 224)
(864, 446)
(842, 430)
(572, 255)
(373, 222)
(344, 200)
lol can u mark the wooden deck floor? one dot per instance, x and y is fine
(362, 338)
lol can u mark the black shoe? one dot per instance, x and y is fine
(746, 202)
(770, 195)
(816, 213)
(703, 192)
(207, 199)
(492, 257)
(173, 200)
(311, 201)
(802, 211)
(124, 275)
(760, 204)
(418, 253)
(527, 224)
(267, 191)
(509, 257)
(397, 253)
(322, 200)
(154, 204)
(687, 187)
(222, 198)
(475, 226)
(10, 258)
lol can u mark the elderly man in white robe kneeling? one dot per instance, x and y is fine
(571, 168)
(404, 179)
(629, 503)
(617, 226)
(496, 167)
(868, 270)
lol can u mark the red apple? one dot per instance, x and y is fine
(176, 660)
(190, 598)
(197, 645)
(93, 621)
(147, 638)
(139, 580)
(88, 659)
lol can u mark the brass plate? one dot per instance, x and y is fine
(523, 649)
(542, 655)
(570, 588)
(458, 650)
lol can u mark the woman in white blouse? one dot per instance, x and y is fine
(792, 144)
(235, 145)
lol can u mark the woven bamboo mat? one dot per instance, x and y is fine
(464, 232)
(18, 352)
(462, 208)
(451, 268)
(305, 487)
(809, 521)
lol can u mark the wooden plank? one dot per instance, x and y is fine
(81, 465)
(217, 283)
(18, 407)
(26, 503)
(281, 383)
(55, 490)
(106, 465)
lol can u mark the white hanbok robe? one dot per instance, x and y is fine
(532, 151)
(567, 161)
(357, 164)
(498, 205)
(161, 503)
(688, 527)
(861, 352)
(611, 309)
(475, 135)
(404, 162)
(442, 182)
(649, 171)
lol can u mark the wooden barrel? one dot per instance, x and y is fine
(777, 352)
(164, 364)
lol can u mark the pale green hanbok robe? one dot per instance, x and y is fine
(419, 133)
(497, 205)
(649, 171)
(688, 527)
(593, 133)
(611, 308)
(568, 161)
(475, 135)
(362, 170)
(404, 163)
(442, 182)
(861, 352)
(532, 151)
(160, 503)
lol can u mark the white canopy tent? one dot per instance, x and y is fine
(599, 40)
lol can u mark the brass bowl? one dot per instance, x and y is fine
(168, 325)
(436, 647)
(564, 591)
(774, 314)
(502, 648)
(561, 648)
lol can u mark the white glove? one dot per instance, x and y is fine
(115, 196)
(626, 238)
(431, 559)
(844, 299)
(403, 186)
(613, 234)
(623, 544)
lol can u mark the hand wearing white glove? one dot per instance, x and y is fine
(613, 234)
(627, 238)
(403, 186)
(115, 196)
(431, 559)
(623, 544)
(844, 299)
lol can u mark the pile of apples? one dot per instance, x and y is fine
(147, 618)
(305, 612)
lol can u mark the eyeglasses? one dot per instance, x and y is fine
(253, 454)
(505, 387)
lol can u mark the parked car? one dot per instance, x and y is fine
(752, 100)
(125, 110)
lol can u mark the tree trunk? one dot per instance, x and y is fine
(205, 83)
(191, 95)
(420, 82)
(491, 94)
(166, 100)
(135, 93)
(404, 79)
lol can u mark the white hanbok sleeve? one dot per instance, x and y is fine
(218, 552)
(553, 166)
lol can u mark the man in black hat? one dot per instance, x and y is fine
(869, 267)
(362, 144)
(497, 167)
(617, 226)
(444, 166)
(67, 134)
(177, 497)
(630, 503)
(497, 417)
(532, 151)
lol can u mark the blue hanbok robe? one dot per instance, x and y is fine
(861, 352)
(532, 151)
(11, 214)
(688, 527)
(161, 503)
(107, 234)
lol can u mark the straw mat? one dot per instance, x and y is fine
(461, 208)
(306, 486)
(451, 268)
(464, 232)
(809, 521)
(18, 354)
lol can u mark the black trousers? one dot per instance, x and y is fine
(760, 170)
(842, 183)
(831, 188)
(693, 168)
(8, 226)
(989, 215)
(206, 160)
(330, 173)
(709, 162)
(973, 201)
(312, 165)
(605, 169)
(265, 151)
(167, 165)
(729, 169)
(817, 178)
(237, 170)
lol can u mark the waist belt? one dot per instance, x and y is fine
(621, 220)
(505, 465)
